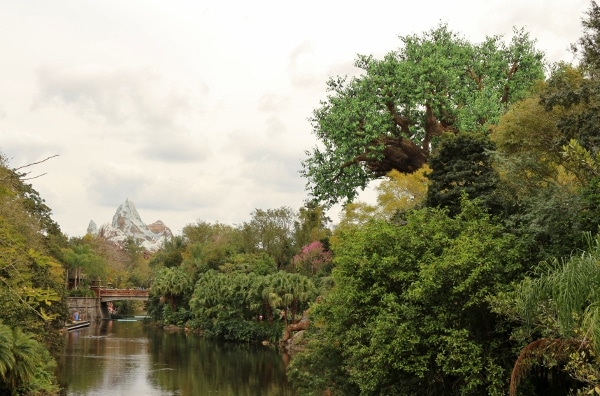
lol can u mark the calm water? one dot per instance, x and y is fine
(128, 358)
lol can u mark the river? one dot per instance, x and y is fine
(129, 358)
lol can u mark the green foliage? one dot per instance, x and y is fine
(583, 164)
(389, 116)
(550, 177)
(564, 299)
(311, 225)
(225, 296)
(547, 157)
(289, 292)
(552, 224)
(240, 306)
(529, 156)
(31, 278)
(576, 91)
(258, 263)
(209, 246)
(173, 285)
(318, 367)
(225, 272)
(560, 312)
(85, 263)
(587, 45)
(82, 292)
(26, 367)
(171, 254)
(408, 314)
(463, 166)
(178, 317)
(126, 307)
(270, 231)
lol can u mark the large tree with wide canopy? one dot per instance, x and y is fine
(390, 116)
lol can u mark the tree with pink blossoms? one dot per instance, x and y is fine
(312, 259)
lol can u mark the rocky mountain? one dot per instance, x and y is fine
(127, 223)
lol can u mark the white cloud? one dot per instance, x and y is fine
(116, 97)
(304, 67)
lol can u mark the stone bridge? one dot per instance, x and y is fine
(106, 295)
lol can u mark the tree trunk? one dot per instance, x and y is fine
(304, 324)
(535, 352)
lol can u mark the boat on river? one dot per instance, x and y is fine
(129, 318)
(77, 325)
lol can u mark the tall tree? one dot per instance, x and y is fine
(311, 225)
(529, 154)
(171, 253)
(389, 117)
(82, 260)
(210, 245)
(580, 96)
(271, 231)
(31, 280)
(462, 165)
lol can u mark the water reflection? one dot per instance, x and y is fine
(127, 358)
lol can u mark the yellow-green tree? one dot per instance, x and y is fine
(530, 144)
(83, 261)
(31, 286)
(397, 193)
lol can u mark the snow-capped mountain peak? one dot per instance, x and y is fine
(127, 223)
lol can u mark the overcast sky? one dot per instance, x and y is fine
(197, 110)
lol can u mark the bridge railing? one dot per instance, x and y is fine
(103, 292)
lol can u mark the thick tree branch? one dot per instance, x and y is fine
(398, 153)
(402, 122)
(432, 128)
(511, 73)
(478, 80)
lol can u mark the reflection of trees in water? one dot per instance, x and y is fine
(193, 365)
(173, 363)
(103, 354)
(75, 364)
